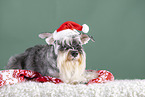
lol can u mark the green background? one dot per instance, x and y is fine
(118, 26)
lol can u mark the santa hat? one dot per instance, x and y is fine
(68, 29)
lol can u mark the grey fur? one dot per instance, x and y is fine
(40, 58)
(43, 58)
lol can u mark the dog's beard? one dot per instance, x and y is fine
(71, 70)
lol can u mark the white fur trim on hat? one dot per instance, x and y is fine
(85, 28)
(65, 33)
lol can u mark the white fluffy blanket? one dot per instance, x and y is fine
(117, 88)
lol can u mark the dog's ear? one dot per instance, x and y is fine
(48, 38)
(85, 38)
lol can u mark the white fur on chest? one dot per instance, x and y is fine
(73, 72)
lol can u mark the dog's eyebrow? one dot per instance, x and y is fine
(76, 43)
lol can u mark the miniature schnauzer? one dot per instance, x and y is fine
(64, 59)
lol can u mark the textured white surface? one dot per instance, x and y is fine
(117, 88)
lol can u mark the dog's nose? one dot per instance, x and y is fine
(74, 53)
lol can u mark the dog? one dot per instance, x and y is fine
(61, 58)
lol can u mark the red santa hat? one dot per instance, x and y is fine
(69, 28)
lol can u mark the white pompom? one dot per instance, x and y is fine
(85, 28)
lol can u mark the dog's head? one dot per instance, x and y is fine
(71, 45)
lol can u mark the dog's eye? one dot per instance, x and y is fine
(68, 47)
(78, 47)
(65, 47)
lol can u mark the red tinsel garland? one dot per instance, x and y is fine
(17, 76)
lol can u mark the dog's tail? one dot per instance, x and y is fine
(16, 62)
